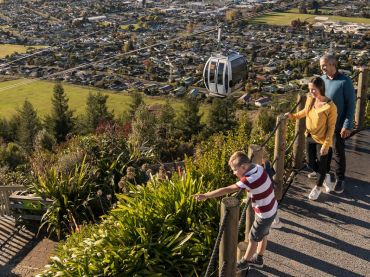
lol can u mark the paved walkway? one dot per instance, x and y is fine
(21, 252)
(328, 237)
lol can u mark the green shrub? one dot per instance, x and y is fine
(13, 156)
(71, 195)
(44, 141)
(157, 230)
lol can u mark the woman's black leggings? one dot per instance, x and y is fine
(315, 161)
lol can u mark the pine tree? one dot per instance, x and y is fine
(62, 121)
(5, 130)
(167, 116)
(29, 125)
(97, 110)
(167, 144)
(221, 116)
(189, 119)
(137, 101)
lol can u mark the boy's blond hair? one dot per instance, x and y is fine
(238, 158)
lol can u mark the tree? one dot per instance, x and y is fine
(221, 116)
(44, 140)
(13, 155)
(190, 28)
(143, 135)
(296, 23)
(97, 110)
(315, 6)
(189, 119)
(29, 125)
(61, 121)
(148, 66)
(167, 143)
(128, 46)
(232, 15)
(5, 131)
(263, 124)
(302, 8)
(137, 101)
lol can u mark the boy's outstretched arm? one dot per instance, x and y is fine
(217, 192)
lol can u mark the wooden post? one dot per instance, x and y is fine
(279, 155)
(363, 84)
(229, 239)
(299, 144)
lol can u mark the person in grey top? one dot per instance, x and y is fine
(339, 88)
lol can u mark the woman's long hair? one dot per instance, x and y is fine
(320, 85)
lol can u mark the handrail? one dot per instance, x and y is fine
(288, 181)
(242, 216)
(5, 192)
(213, 259)
(272, 133)
(242, 219)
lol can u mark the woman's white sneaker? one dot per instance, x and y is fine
(328, 184)
(312, 175)
(314, 194)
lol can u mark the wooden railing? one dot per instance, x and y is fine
(230, 210)
(5, 192)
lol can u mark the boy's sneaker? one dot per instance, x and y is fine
(276, 224)
(339, 186)
(242, 265)
(314, 194)
(312, 175)
(256, 261)
(328, 184)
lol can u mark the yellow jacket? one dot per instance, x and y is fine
(320, 123)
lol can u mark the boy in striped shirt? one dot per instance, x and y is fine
(255, 179)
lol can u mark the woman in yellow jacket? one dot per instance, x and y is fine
(321, 116)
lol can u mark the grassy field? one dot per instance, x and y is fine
(285, 18)
(7, 49)
(39, 93)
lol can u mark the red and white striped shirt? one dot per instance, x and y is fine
(261, 190)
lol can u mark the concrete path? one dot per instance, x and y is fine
(330, 236)
(21, 252)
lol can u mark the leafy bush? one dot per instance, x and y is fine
(16, 178)
(157, 230)
(13, 156)
(71, 195)
(44, 140)
(212, 156)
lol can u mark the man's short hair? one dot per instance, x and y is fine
(239, 158)
(329, 58)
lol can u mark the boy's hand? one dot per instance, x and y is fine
(200, 197)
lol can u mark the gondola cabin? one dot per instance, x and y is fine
(224, 74)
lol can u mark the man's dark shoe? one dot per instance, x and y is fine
(242, 265)
(256, 261)
(339, 186)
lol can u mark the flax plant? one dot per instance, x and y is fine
(70, 194)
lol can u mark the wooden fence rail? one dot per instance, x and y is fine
(5, 192)
(255, 153)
